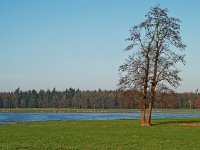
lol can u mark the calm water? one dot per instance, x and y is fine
(20, 117)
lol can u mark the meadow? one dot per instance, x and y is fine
(182, 133)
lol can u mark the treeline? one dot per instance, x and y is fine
(97, 99)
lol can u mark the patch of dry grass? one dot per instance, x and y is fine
(190, 124)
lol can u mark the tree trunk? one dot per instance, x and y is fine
(144, 121)
(153, 87)
(145, 84)
(149, 113)
(143, 118)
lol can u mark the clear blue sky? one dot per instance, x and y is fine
(79, 43)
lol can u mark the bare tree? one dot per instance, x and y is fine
(150, 67)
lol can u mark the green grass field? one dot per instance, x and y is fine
(115, 134)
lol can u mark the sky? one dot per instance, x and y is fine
(79, 43)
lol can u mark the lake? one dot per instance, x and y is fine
(21, 117)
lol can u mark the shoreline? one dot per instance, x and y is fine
(69, 110)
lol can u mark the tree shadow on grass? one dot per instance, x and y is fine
(176, 121)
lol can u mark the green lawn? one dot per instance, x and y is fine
(116, 134)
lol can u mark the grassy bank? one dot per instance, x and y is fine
(116, 134)
(69, 110)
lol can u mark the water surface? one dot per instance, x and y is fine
(21, 117)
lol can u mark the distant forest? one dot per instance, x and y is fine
(97, 99)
